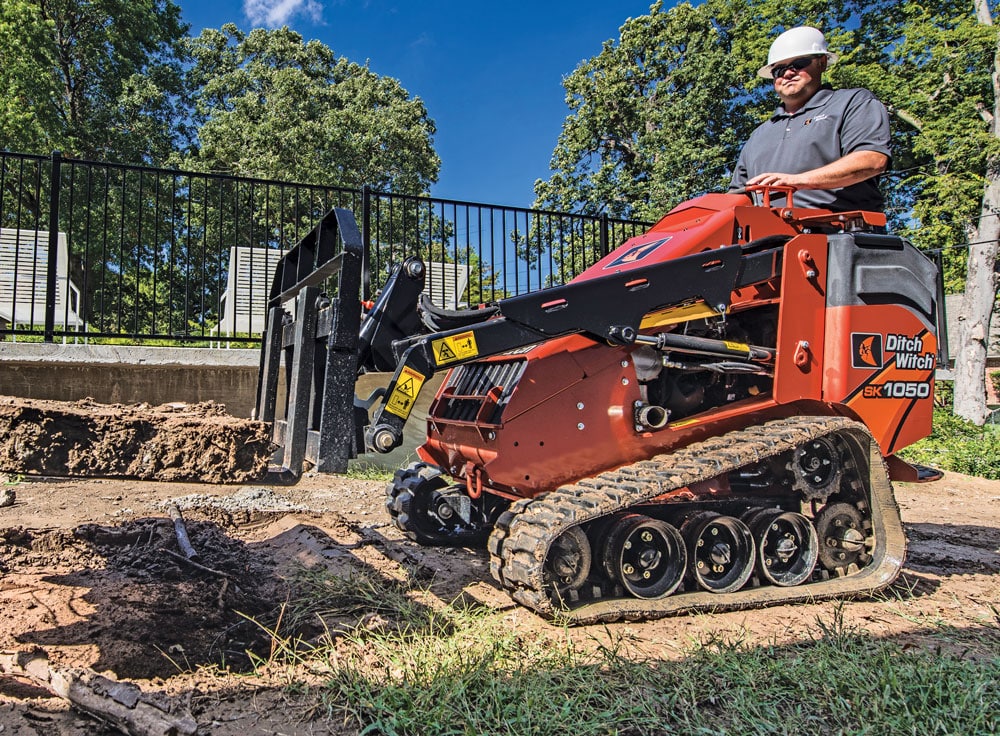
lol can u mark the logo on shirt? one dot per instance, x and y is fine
(821, 116)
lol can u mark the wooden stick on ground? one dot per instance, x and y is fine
(122, 704)
(183, 541)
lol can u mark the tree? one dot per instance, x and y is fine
(981, 282)
(653, 116)
(268, 104)
(97, 80)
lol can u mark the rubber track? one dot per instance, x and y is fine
(520, 542)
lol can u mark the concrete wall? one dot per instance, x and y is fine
(112, 374)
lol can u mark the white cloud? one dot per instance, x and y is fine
(272, 13)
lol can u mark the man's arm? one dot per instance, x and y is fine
(855, 167)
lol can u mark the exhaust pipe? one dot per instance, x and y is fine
(649, 416)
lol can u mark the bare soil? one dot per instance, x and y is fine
(171, 442)
(90, 571)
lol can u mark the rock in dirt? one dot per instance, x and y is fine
(172, 442)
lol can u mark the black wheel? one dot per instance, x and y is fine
(842, 532)
(817, 468)
(568, 563)
(787, 545)
(646, 556)
(721, 552)
(429, 512)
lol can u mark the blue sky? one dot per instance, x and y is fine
(490, 74)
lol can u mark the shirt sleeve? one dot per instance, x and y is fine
(740, 177)
(865, 126)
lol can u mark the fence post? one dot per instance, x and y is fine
(366, 241)
(605, 248)
(55, 182)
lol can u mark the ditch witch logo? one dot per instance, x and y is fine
(866, 350)
(869, 351)
(636, 253)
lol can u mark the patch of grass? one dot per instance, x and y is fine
(959, 445)
(208, 341)
(454, 670)
(363, 470)
(321, 595)
(474, 675)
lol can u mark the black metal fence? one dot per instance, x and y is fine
(111, 253)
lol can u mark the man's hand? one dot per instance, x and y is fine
(850, 169)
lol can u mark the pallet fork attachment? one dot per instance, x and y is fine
(318, 343)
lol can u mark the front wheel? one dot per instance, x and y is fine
(432, 513)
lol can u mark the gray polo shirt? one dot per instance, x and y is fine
(830, 125)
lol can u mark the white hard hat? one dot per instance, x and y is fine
(795, 42)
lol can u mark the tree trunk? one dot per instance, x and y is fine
(981, 278)
(977, 307)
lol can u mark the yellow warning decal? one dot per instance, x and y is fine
(404, 393)
(454, 348)
(673, 315)
(683, 423)
(743, 348)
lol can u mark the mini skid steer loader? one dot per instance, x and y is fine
(706, 418)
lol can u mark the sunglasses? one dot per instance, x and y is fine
(778, 70)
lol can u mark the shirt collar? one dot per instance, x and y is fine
(817, 100)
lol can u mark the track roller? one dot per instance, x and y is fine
(645, 556)
(721, 551)
(842, 537)
(787, 545)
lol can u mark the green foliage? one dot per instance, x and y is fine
(98, 79)
(659, 115)
(959, 445)
(654, 117)
(270, 104)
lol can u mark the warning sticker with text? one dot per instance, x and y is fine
(404, 393)
(454, 348)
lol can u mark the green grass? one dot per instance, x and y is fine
(366, 470)
(458, 670)
(73, 338)
(959, 445)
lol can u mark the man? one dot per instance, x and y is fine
(831, 145)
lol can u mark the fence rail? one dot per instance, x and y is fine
(149, 254)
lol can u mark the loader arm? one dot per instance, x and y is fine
(324, 342)
(605, 309)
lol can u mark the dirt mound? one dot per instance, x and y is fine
(172, 442)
